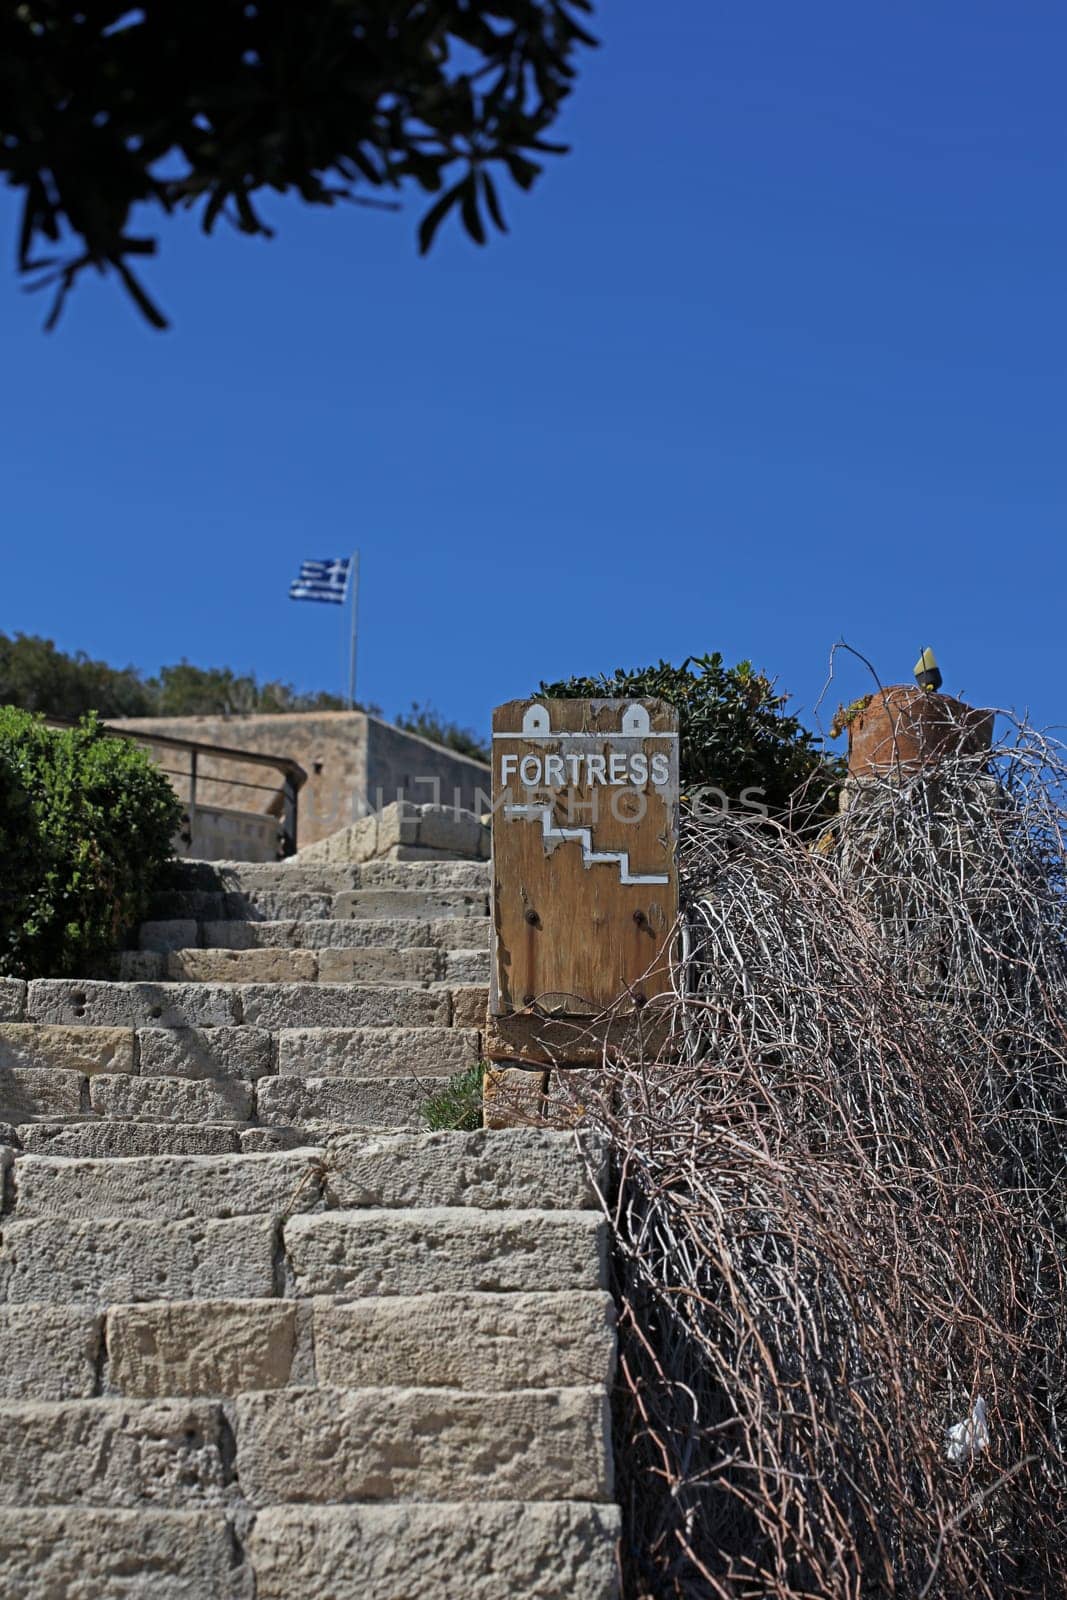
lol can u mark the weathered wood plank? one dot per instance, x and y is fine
(585, 875)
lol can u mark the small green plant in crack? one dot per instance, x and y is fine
(458, 1106)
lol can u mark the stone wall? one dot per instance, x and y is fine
(355, 764)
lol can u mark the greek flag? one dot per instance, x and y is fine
(322, 580)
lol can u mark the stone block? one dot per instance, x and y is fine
(470, 1003)
(460, 933)
(396, 824)
(482, 1551)
(426, 1444)
(505, 1170)
(379, 966)
(59, 1261)
(256, 1141)
(445, 828)
(167, 1188)
(137, 1005)
(360, 1102)
(12, 999)
(375, 1052)
(171, 1099)
(83, 1050)
(410, 902)
(139, 966)
(277, 904)
(194, 1348)
(48, 1352)
(445, 1249)
(60, 1553)
(342, 1005)
(237, 1052)
(424, 874)
(242, 966)
(178, 934)
(112, 1453)
(391, 933)
(31, 1092)
(103, 1139)
(185, 905)
(292, 876)
(465, 966)
(467, 1341)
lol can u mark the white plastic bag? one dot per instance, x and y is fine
(964, 1440)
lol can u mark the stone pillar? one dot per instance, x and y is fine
(899, 745)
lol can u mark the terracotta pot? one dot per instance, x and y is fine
(905, 729)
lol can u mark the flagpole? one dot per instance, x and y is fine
(354, 571)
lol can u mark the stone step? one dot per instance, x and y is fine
(310, 1103)
(52, 1095)
(505, 1169)
(166, 1099)
(29, 1052)
(28, 1093)
(167, 1188)
(473, 1341)
(201, 1349)
(366, 965)
(213, 905)
(49, 1352)
(431, 1250)
(59, 1261)
(365, 933)
(172, 1454)
(265, 1005)
(431, 904)
(97, 1139)
(491, 1550)
(375, 1052)
(245, 877)
(280, 904)
(44, 1066)
(56, 1553)
(32, 1045)
(414, 1444)
(477, 1550)
(289, 1102)
(104, 1139)
(239, 1052)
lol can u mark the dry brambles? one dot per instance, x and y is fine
(839, 1217)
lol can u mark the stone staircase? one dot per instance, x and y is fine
(260, 1336)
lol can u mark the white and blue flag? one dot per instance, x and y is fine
(322, 580)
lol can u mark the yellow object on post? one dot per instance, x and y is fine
(927, 672)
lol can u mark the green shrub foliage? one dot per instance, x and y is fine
(458, 1105)
(86, 823)
(735, 735)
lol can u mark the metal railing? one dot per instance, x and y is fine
(293, 775)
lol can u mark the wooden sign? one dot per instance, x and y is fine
(585, 872)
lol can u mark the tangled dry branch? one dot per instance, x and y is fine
(840, 1215)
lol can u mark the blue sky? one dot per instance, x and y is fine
(776, 356)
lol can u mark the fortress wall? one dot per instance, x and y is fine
(354, 762)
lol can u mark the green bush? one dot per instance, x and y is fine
(86, 823)
(735, 735)
(458, 1105)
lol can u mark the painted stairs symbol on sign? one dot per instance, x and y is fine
(585, 869)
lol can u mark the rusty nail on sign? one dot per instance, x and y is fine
(585, 828)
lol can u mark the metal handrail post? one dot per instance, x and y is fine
(289, 816)
(192, 795)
